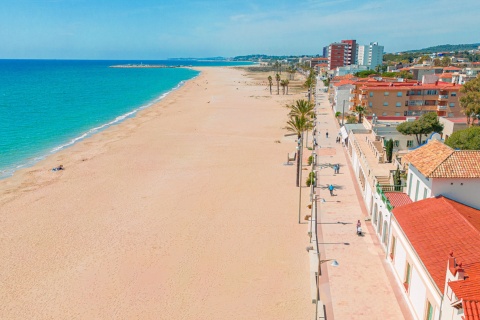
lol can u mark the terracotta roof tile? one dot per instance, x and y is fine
(437, 226)
(398, 199)
(437, 160)
(471, 310)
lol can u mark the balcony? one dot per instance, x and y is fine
(443, 97)
(382, 188)
(441, 107)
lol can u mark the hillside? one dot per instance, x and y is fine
(447, 48)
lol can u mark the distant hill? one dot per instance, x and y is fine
(447, 48)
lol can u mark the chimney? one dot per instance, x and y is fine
(460, 272)
(452, 264)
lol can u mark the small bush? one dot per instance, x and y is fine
(310, 160)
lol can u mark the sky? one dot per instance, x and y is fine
(160, 29)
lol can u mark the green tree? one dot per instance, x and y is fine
(282, 83)
(404, 74)
(302, 108)
(466, 139)
(361, 111)
(351, 119)
(286, 82)
(299, 125)
(270, 83)
(365, 73)
(277, 78)
(445, 62)
(437, 62)
(470, 101)
(397, 180)
(389, 150)
(424, 125)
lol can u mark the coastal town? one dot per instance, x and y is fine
(408, 142)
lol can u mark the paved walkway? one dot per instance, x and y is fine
(361, 287)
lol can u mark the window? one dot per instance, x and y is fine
(396, 143)
(451, 115)
(409, 143)
(386, 93)
(371, 94)
(398, 104)
(397, 114)
(408, 272)
(392, 248)
(452, 104)
(370, 104)
(429, 314)
(454, 94)
(385, 103)
(399, 94)
(424, 193)
(384, 114)
(410, 180)
(416, 190)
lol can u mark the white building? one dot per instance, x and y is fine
(370, 55)
(436, 169)
(342, 96)
(434, 253)
(351, 69)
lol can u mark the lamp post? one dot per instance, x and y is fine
(343, 112)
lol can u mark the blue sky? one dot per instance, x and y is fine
(148, 29)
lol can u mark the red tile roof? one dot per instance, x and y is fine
(437, 160)
(471, 310)
(445, 75)
(437, 226)
(451, 68)
(398, 199)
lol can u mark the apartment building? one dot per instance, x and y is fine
(370, 55)
(350, 52)
(410, 99)
(336, 55)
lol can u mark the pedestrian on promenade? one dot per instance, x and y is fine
(326, 134)
(337, 167)
(331, 187)
(359, 228)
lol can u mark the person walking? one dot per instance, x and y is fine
(359, 228)
(337, 168)
(331, 187)
(326, 134)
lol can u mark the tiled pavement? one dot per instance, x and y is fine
(362, 286)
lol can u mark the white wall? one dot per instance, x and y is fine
(417, 293)
(422, 285)
(461, 190)
(423, 183)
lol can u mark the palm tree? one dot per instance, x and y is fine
(303, 109)
(282, 83)
(298, 125)
(270, 82)
(361, 112)
(286, 84)
(277, 78)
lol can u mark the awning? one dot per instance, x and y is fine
(344, 133)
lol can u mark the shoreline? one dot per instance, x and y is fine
(10, 170)
(178, 212)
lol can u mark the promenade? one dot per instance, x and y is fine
(361, 287)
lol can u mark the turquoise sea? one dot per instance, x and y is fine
(48, 105)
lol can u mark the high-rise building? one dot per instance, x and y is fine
(342, 54)
(351, 52)
(370, 55)
(336, 55)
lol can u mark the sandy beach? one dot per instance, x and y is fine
(183, 212)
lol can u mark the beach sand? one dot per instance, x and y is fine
(183, 212)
